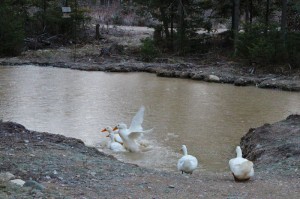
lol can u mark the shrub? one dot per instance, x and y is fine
(11, 31)
(148, 50)
(293, 49)
(52, 22)
(265, 45)
(260, 44)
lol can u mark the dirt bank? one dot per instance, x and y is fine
(207, 68)
(69, 169)
(275, 147)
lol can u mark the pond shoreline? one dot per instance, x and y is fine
(65, 167)
(218, 72)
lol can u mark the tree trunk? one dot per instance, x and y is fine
(267, 16)
(181, 27)
(44, 15)
(247, 11)
(172, 27)
(284, 21)
(165, 22)
(236, 23)
(251, 11)
(98, 36)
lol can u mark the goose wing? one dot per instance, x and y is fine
(137, 120)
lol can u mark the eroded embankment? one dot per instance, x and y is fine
(275, 147)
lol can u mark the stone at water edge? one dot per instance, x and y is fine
(213, 78)
(18, 182)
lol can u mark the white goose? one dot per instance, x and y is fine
(115, 146)
(187, 163)
(241, 168)
(117, 137)
(134, 132)
(130, 138)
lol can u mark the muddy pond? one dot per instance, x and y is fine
(209, 118)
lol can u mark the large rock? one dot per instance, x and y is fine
(6, 176)
(18, 182)
(212, 78)
(33, 184)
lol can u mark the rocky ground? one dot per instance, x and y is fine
(54, 166)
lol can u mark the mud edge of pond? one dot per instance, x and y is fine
(218, 74)
(271, 144)
(69, 169)
(274, 146)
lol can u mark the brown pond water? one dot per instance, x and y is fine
(209, 118)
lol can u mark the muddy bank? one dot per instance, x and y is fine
(210, 70)
(275, 147)
(67, 168)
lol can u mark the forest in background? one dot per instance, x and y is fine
(263, 32)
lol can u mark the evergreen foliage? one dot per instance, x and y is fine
(180, 20)
(32, 18)
(11, 29)
(259, 46)
(48, 18)
(148, 50)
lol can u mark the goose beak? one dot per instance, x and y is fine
(103, 130)
(107, 136)
(115, 128)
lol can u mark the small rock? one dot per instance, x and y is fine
(6, 176)
(48, 177)
(93, 173)
(26, 141)
(33, 184)
(198, 76)
(213, 78)
(55, 172)
(171, 186)
(289, 155)
(18, 182)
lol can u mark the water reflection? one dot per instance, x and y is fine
(209, 118)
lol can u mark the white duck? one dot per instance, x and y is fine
(241, 168)
(187, 163)
(130, 138)
(134, 132)
(115, 146)
(117, 137)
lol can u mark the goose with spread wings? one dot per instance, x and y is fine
(134, 132)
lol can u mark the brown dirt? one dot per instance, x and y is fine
(69, 169)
